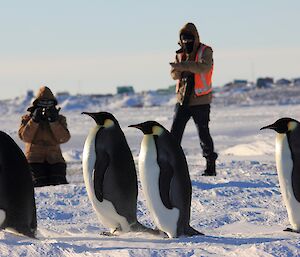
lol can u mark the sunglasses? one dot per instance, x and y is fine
(185, 41)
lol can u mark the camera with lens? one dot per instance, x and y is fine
(45, 110)
(188, 82)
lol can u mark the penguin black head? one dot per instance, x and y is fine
(283, 125)
(150, 128)
(103, 119)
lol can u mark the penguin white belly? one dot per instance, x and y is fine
(2, 216)
(105, 210)
(284, 165)
(164, 218)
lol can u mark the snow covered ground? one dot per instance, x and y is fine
(240, 211)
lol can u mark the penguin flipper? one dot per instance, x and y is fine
(294, 144)
(100, 168)
(165, 177)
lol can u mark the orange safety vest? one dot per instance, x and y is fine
(203, 82)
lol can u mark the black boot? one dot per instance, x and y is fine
(210, 168)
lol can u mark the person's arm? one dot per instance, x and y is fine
(174, 73)
(201, 66)
(27, 129)
(60, 130)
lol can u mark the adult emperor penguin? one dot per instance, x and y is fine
(288, 166)
(17, 203)
(165, 180)
(110, 175)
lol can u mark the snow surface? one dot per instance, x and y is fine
(241, 210)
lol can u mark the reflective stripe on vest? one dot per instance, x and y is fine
(203, 83)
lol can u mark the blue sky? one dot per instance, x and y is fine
(93, 46)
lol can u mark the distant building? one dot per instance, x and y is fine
(29, 94)
(237, 84)
(264, 82)
(283, 82)
(125, 90)
(296, 82)
(240, 82)
(101, 95)
(62, 94)
(167, 91)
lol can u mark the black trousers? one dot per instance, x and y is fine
(200, 115)
(46, 174)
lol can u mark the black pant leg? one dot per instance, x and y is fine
(39, 173)
(181, 117)
(200, 114)
(57, 173)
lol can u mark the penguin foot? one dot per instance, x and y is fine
(106, 233)
(189, 231)
(21, 232)
(208, 174)
(291, 230)
(138, 227)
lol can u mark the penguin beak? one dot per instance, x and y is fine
(272, 126)
(138, 126)
(94, 116)
(90, 114)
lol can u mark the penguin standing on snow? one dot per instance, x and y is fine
(110, 175)
(17, 203)
(165, 180)
(288, 166)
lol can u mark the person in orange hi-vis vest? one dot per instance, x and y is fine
(192, 69)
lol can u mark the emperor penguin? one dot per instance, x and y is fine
(288, 166)
(165, 180)
(17, 202)
(110, 176)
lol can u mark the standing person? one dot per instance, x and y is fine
(43, 130)
(193, 69)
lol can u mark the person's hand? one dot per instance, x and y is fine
(37, 115)
(178, 66)
(52, 114)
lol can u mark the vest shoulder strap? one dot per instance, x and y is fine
(201, 51)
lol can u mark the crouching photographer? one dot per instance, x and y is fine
(43, 130)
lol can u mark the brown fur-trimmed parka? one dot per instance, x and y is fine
(190, 65)
(43, 139)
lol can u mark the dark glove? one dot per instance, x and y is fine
(52, 114)
(37, 115)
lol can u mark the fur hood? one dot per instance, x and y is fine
(190, 28)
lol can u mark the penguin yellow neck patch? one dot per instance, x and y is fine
(157, 130)
(292, 125)
(108, 123)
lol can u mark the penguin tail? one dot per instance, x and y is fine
(189, 231)
(138, 227)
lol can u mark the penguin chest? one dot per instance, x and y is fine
(164, 218)
(2, 216)
(284, 164)
(105, 210)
